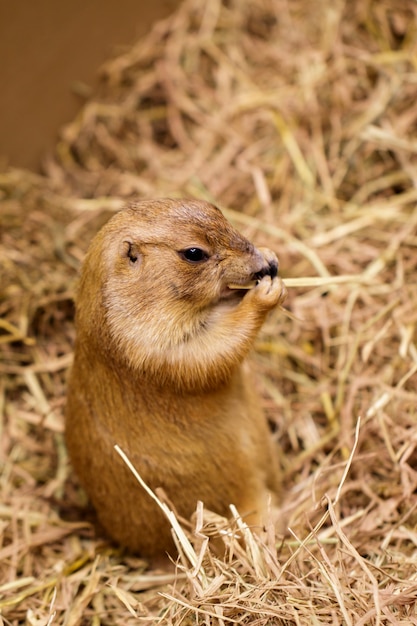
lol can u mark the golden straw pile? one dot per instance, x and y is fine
(299, 119)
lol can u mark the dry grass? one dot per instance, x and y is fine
(299, 119)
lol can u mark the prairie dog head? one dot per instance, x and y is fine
(157, 271)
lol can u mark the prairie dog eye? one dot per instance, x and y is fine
(194, 255)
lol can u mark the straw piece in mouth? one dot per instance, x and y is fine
(248, 285)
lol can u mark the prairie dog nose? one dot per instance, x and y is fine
(269, 269)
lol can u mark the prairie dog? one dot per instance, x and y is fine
(165, 315)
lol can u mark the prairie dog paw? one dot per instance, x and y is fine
(269, 292)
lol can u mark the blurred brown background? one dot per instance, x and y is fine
(47, 48)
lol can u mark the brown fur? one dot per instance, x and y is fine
(158, 370)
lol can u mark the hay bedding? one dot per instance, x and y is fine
(299, 119)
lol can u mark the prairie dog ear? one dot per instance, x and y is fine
(130, 251)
